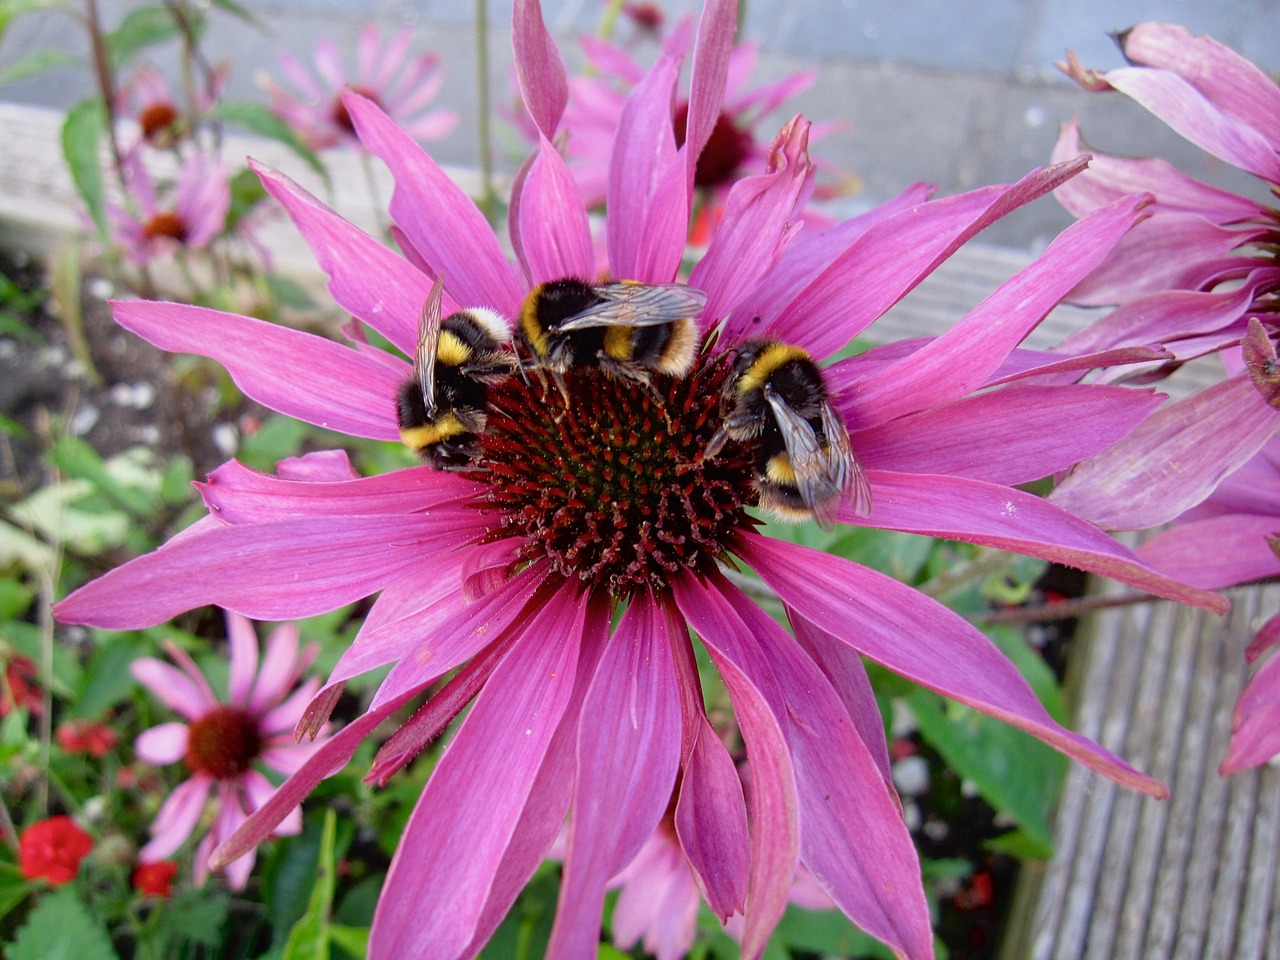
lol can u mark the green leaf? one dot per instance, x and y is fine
(1013, 644)
(354, 940)
(143, 27)
(15, 599)
(289, 293)
(258, 118)
(1021, 845)
(62, 928)
(309, 938)
(82, 131)
(36, 63)
(1014, 772)
(18, 546)
(107, 679)
(197, 916)
(128, 479)
(242, 13)
(827, 932)
(10, 10)
(247, 192)
(14, 887)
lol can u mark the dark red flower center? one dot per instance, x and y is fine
(223, 743)
(341, 116)
(165, 224)
(156, 120)
(726, 150)
(611, 486)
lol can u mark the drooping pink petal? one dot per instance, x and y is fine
(1173, 460)
(540, 70)
(1216, 552)
(1006, 436)
(1255, 734)
(1266, 638)
(959, 361)
(924, 641)
(366, 278)
(628, 756)
(267, 571)
(295, 373)
(318, 465)
(172, 687)
(177, 818)
(760, 216)
(243, 641)
(774, 808)
(658, 901)
(993, 515)
(711, 52)
(851, 828)
(280, 669)
(454, 842)
(445, 227)
(555, 238)
(166, 743)
(1233, 84)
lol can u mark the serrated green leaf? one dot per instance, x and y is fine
(309, 938)
(36, 63)
(61, 928)
(143, 27)
(258, 118)
(197, 916)
(82, 131)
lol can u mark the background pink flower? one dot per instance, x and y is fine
(161, 219)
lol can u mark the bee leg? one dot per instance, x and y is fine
(715, 444)
(564, 389)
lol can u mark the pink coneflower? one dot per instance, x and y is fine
(223, 741)
(595, 494)
(163, 219)
(402, 84)
(147, 99)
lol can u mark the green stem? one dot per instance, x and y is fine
(609, 19)
(380, 215)
(487, 196)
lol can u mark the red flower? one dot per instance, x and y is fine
(53, 849)
(155, 879)
(81, 736)
(19, 688)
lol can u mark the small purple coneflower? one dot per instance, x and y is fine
(164, 219)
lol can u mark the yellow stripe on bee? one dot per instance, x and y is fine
(770, 360)
(618, 343)
(429, 434)
(529, 325)
(780, 471)
(451, 351)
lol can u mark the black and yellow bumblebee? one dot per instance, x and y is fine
(805, 468)
(629, 330)
(442, 408)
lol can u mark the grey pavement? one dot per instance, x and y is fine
(958, 92)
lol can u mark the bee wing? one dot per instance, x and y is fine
(639, 305)
(851, 478)
(818, 476)
(424, 357)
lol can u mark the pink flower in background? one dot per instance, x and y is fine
(163, 219)
(1230, 538)
(403, 84)
(503, 580)
(147, 99)
(222, 742)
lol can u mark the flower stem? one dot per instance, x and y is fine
(1061, 609)
(609, 19)
(487, 195)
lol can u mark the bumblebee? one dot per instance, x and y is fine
(805, 466)
(442, 408)
(629, 330)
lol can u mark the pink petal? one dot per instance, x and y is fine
(268, 571)
(851, 828)
(1006, 436)
(441, 221)
(177, 818)
(164, 744)
(296, 373)
(759, 220)
(992, 515)
(1216, 552)
(658, 901)
(960, 360)
(173, 687)
(454, 841)
(1266, 638)
(366, 278)
(318, 465)
(774, 809)
(711, 53)
(924, 641)
(555, 239)
(1228, 80)
(540, 71)
(1255, 735)
(244, 657)
(279, 669)
(1173, 460)
(628, 756)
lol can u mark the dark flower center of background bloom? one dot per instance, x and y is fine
(341, 116)
(156, 120)
(166, 225)
(724, 153)
(611, 488)
(223, 743)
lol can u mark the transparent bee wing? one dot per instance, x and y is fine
(844, 466)
(639, 305)
(813, 467)
(424, 356)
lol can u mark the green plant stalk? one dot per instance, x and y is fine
(609, 19)
(487, 195)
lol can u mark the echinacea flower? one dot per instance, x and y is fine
(52, 849)
(402, 84)
(1230, 538)
(595, 494)
(162, 219)
(147, 99)
(222, 742)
